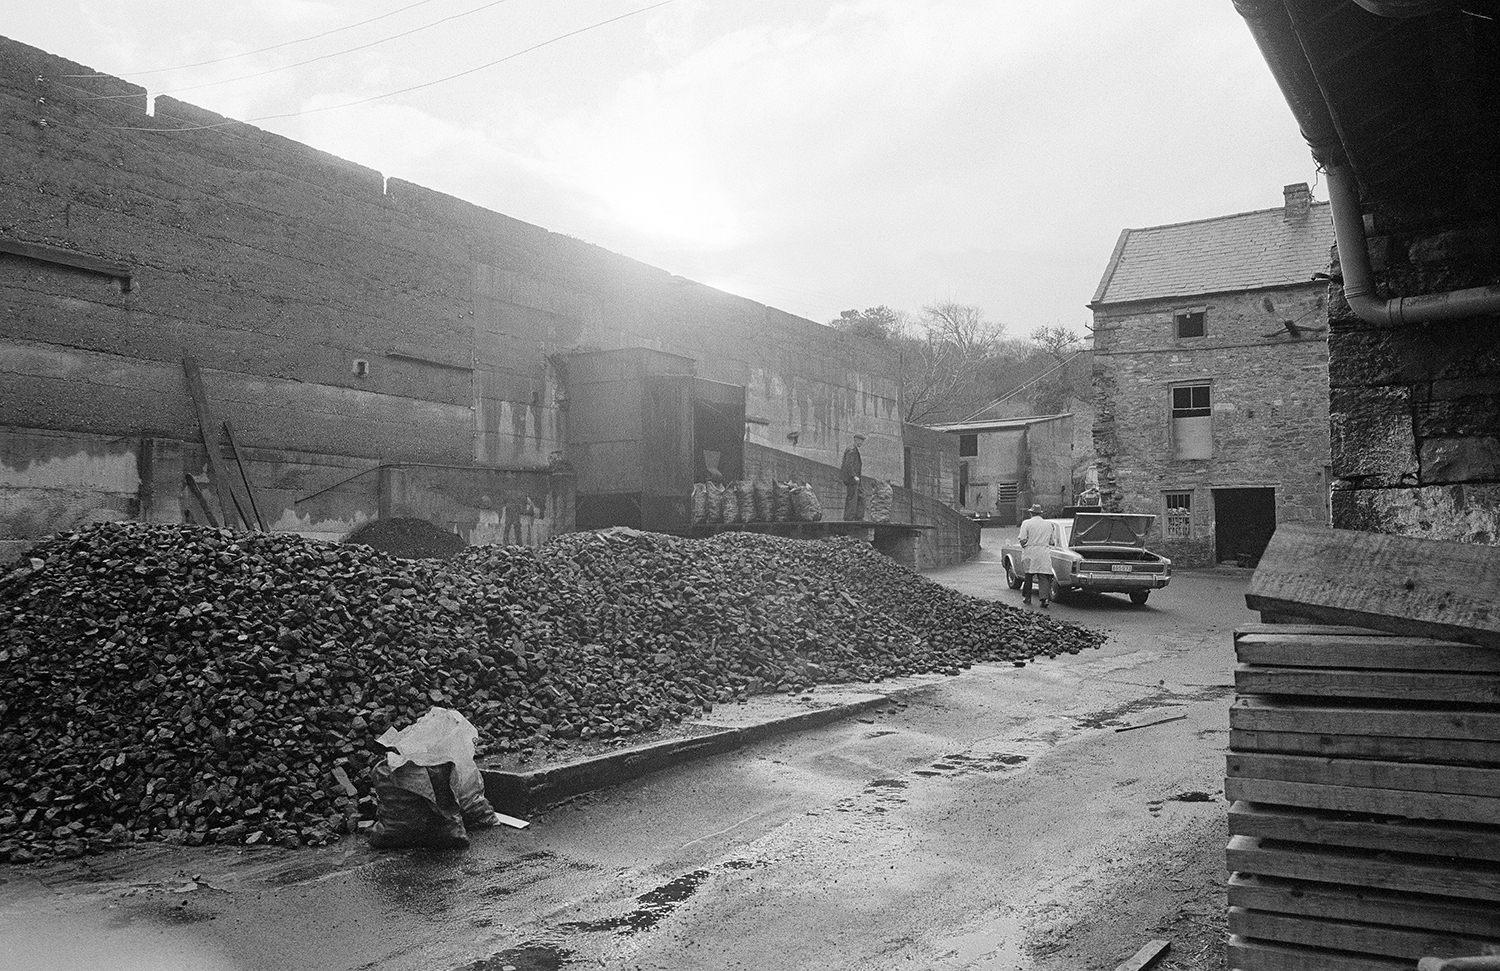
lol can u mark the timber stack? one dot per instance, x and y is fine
(1364, 761)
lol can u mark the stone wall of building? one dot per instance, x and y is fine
(1415, 409)
(1268, 426)
(341, 320)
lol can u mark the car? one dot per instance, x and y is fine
(1101, 551)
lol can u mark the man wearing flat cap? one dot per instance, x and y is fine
(1037, 537)
(850, 471)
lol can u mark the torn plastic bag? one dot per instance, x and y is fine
(442, 740)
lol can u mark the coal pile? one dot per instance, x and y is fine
(412, 539)
(200, 685)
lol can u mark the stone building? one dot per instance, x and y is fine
(1210, 378)
(1400, 105)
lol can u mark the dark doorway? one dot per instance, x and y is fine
(1244, 520)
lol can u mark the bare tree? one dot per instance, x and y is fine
(946, 362)
(964, 327)
(878, 323)
(1053, 390)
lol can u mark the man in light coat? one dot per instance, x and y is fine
(1036, 537)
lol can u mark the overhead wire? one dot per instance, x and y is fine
(260, 50)
(414, 87)
(314, 60)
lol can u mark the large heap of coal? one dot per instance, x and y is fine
(194, 684)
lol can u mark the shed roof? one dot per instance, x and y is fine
(1000, 425)
(1246, 251)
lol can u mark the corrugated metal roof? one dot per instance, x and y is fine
(1246, 251)
(1003, 424)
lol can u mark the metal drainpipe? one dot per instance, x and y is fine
(1359, 281)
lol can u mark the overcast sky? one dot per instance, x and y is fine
(809, 154)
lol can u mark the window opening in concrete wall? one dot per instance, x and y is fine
(963, 483)
(1178, 521)
(360, 367)
(1190, 323)
(968, 444)
(1192, 422)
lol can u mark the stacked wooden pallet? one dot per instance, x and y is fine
(1364, 779)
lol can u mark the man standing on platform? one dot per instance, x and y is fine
(850, 471)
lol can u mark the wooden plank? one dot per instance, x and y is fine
(1459, 688)
(255, 503)
(1366, 773)
(1289, 824)
(1383, 802)
(1346, 936)
(1250, 854)
(1390, 907)
(1385, 748)
(1272, 715)
(1145, 957)
(1389, 651)
(1328, 629)
(197, 494)
(1410, 586)
(207, 429)
(1246, 954)
(66, 257)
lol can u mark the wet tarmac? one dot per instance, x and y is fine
(959, 829)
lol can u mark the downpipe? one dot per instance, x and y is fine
(1359, 280)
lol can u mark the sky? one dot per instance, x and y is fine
(813, 155)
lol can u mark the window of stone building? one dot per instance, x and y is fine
(1178, 521)
(968, 445)
(1192, 422)
(1190, 323)
(1190, 401)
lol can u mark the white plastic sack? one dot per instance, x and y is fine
(443, 735)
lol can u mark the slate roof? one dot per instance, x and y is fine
(1246, 251)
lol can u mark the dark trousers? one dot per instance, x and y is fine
(1043, 583)
(854, 501)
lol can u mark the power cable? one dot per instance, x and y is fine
(406, 90)
(261, 50)
(313, 60)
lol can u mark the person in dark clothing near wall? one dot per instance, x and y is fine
(850, 471)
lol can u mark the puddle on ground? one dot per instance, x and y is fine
(1163, 698)
(654, 906)
(97, 942)
(531, 956)
(160, 912)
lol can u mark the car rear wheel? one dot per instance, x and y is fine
(1138, 597)
(1011, 580)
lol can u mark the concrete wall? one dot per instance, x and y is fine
(934, 459)
(1269, 395)
(341, 320)
(1415, 409)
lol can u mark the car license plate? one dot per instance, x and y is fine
(1121, 567)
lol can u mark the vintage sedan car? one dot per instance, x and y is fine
(1102, 551)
